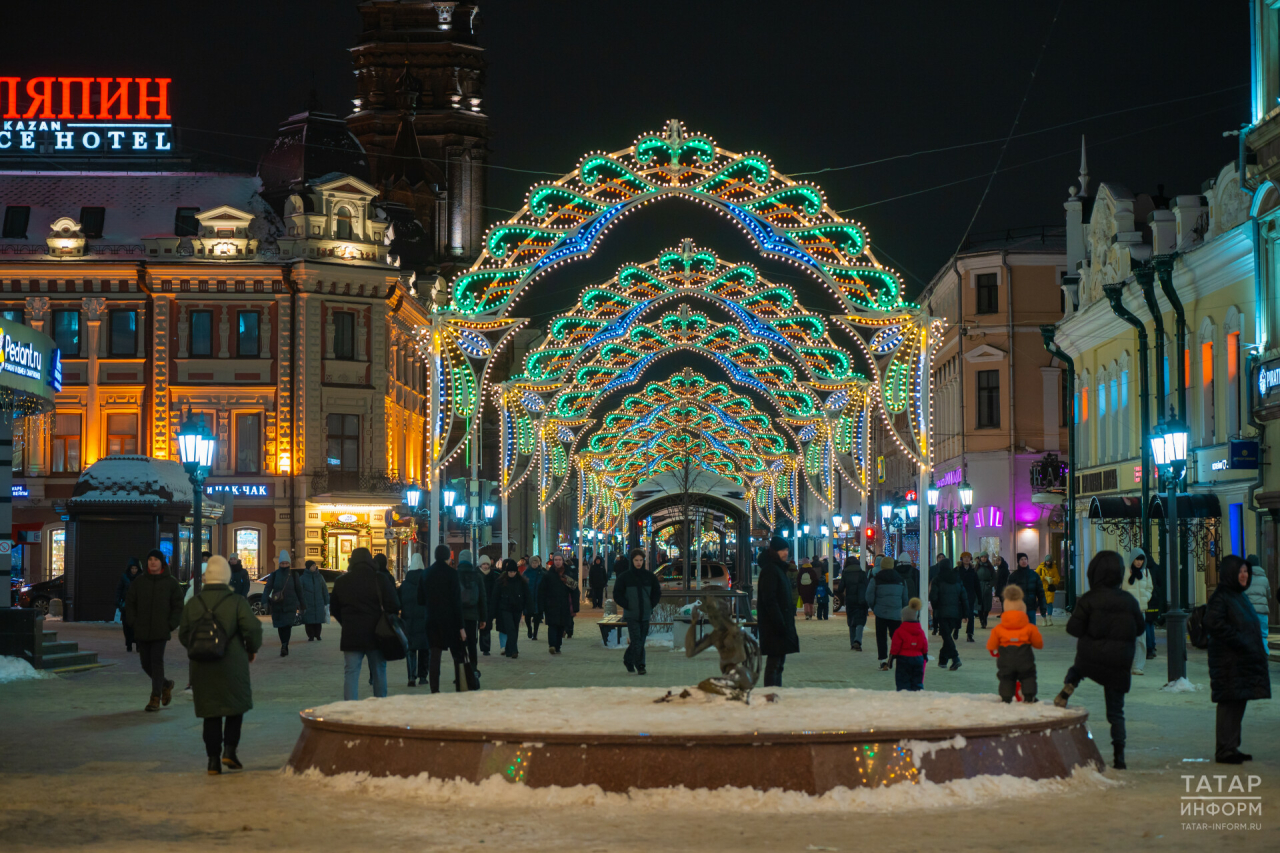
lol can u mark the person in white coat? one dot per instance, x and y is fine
(1259, 593)
(1138, 583)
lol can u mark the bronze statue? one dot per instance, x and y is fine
(739, 653)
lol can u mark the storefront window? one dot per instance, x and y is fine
(57, 551)
(248, 546)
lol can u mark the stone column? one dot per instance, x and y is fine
(93, 308)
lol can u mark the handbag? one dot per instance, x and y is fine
(464, 674)
(388, 631)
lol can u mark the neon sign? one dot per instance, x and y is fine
(85, 115)
(951, 478)
(239, 490)
(987, 516)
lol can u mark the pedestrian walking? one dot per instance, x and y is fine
(533, 575)
(283, 596)
(636, 591)
(153, 609)
(986, 585)
(220, 683)
(807, 581)
(240, 580)
(597, 578)
(413, 618)
(909, 573)
(314, 594)
(776, 610)
(556, 594)
(1050, 578)
(489, 573)
(822, 600)
(886, 596)
(1106, 622)
(475, 607)
(853, 590)
(1259, 593)
(973, 591)
(1138, 583)
(1012, 643)
(132, 570)
(910, 648)
(441, 593)
(1026, 579)
(509, 602)
(950, 603)
(359, 599)
(1238, 669)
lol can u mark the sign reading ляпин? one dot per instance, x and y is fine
(112, 116)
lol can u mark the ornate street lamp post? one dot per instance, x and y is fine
(966, 503)
(196, 446)
(1169, 450)
(931, 498)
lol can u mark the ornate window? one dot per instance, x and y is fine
(122, 434)
(201, 334)
(342, 223)
(124, 333)
(248, 443)
(66, 444)
(247, 334)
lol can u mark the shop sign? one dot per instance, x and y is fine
(29, 361)
(1219, 463)
(1243, 454)
(20, 490)
(98, 116)
(951, 478)
(1268, 379)
(239, 490)
(348, 518)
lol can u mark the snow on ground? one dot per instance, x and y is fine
(977, 791)
(17, 669)
(632, 710)
(1182, 685)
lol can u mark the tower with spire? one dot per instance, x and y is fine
(419, 116)
(1077, 206)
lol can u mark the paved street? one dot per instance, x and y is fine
(93, 750)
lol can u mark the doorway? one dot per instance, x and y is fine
(341, 544)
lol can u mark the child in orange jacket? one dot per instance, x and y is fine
(909, 649)
(1011, 643)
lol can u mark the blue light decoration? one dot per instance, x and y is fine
(632, 374)
(886, 340)
(807, 432)
(472, 343)
(55, 370)
(740, 375)
(532, 402)
(565, 434)
(770, 241)
(580, 241)
(757, 328)
(837, 401)
(619, 327)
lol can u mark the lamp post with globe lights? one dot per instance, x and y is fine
(1169, 451)
(196, 447)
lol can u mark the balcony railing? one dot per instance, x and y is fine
(373, 481)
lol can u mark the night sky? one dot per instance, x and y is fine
(813, 85)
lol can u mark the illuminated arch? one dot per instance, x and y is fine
(562, 221)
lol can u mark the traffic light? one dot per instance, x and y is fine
(871, 534)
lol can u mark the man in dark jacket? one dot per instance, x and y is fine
(1238, 669)
(1106, 623)
(475, 607)
(950, 602)
(597, 577)
(973, 589)
(489, 573)
(359, 598)
(853, 589)
(910, 576)
(240, 580)
(1001, 567)
(510, 600)
(776, 610)
(636, 591)
(1032, 587)
(122, 594)
(886, 597)
(533, 576)
(556, 595)
(413, 617)
(153, 609)
(441, 593)
(986, 585)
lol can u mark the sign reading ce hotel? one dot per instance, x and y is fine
(85, 115)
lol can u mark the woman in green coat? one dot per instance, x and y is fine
(221, 687)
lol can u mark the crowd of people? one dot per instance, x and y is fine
(455, 605)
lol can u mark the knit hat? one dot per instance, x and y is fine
(911, 613)
(217, 570)
(485, 561)
(284, 556)
(886, 562)
(777, 543)
(361, 555)
(964, 554)
(415, 562)
(464, 557)
(380, 560)
(159, 555)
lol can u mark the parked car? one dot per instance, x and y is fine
(671, 575)
(255, 589)
(38, 595)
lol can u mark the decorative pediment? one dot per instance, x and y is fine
(985, 352)
(347, 185)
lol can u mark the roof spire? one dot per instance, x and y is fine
(1084, 169)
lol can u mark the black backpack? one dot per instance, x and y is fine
(470, 590)
(209, 640)
(1195, 628)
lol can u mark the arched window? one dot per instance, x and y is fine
(1115, 425)
(1231, 330)
(1084, 424)
(1208, 421)
(1103, 417)
(342, 223)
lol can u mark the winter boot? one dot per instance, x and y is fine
(1061, 699)
(884, 666)
(1118, 760)
(229, 758)
(857, 647)
(413, 682)
(955, 664)
(167, 696)
(153, 704)
(640, 669)
(284, 650)
(215, 766)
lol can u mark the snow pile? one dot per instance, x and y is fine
(17, 669)
(496, 792)
(133, 479)
(1182, 685)
(631, 710)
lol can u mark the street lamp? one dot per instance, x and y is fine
(1169, 450)
(886, 510)
(413, 498)
(196, 446)
(449, 497)
(966, 494)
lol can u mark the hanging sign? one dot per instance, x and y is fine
(29, 361)
(1268, 379)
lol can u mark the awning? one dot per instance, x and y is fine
(1113, 507)
(1189, 506)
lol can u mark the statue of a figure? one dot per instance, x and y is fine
(739, 653)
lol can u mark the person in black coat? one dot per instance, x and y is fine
(556, 596)
(1237, 657)
(441, 593)
(775, 610)
(636, 592)
(950, 604)
(853, 589)
(510, 599)
(122, 594)
(240, 580)
(1106, 622)
(973, 590)
(489, 573)
(1032, 587)
(1002, 577)
(597, 578)
(359, 598)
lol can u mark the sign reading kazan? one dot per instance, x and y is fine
(97, 116)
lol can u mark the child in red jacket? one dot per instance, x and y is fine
(909, 649)
(1011, 643)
